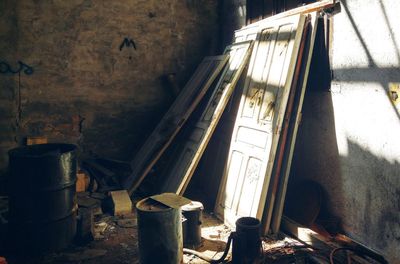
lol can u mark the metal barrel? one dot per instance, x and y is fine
(159, 233)
(193, 213)
(42, 196)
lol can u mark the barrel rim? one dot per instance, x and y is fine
(193, 206)
(140, 206)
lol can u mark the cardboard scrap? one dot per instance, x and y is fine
(171, 199)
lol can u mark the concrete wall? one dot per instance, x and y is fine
(349, 137)
(85, 87)
(232, 17)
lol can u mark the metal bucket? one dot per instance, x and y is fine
(42, 196)
(159, 233)
(246, 245)
(193, 213)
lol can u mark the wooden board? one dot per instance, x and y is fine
(258, 123)
(280, 192)
(199, 134)
(122, 204)
(305, 9)
(174, 119)
(295, 100)
(247, 33)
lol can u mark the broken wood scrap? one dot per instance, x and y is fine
(173, 120)
(82, 181)
(34, 140)
(122, 204)
(107, 179)
(121, 168)
(198, 132)
(327, 245)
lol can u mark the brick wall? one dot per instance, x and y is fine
(86, 87)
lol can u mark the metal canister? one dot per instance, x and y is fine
(246, 246)
(193, 214)
(159, 233)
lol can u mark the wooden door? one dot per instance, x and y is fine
(259, 119)
(273, 218)
(188, 156)
(174, 119)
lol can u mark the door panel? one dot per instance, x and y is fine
(259, 119)
(182, 168)
(174, 119)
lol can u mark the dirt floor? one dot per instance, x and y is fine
(115, 241)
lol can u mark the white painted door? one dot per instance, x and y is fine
(183, 167)
(259, 119)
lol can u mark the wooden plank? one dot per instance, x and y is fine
(174, 119)
(36, 140)
(198, 135)
(280, 192)
(293, 101)
(258, 123)
(122, 204)
(317, 6)
(82, 181)
(247, 33)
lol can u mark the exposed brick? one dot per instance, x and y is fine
(84, 89)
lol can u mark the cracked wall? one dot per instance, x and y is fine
(87, 87)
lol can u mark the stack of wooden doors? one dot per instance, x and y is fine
(273, 58)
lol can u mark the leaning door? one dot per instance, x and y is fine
(259, 119)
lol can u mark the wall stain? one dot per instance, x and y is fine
(127, 42)
(5, 68)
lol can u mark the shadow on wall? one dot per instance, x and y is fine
(375, 191)
(373, 73)
(361, 180)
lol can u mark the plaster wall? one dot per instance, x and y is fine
(349, 137)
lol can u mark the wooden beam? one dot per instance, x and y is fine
(317, 6)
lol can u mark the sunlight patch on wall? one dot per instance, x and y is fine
(366, 40)
(364, 115)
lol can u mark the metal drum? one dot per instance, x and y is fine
(42, 196)
(159, 233)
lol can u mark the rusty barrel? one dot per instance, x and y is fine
(42, 197)
(159, 233)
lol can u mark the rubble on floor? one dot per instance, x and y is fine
(115, 241)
